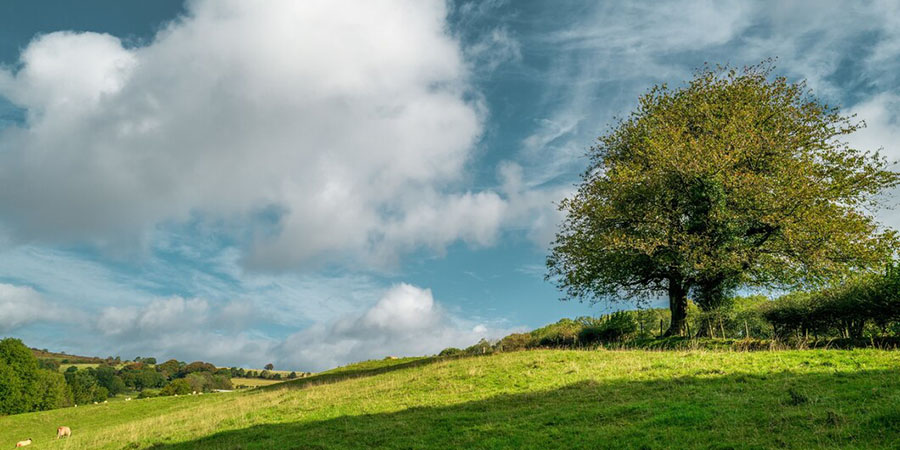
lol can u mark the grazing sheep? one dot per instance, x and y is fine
(63, 431)
(23, 443)
(127, 399)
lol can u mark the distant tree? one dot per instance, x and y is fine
(148, 378)
(49, 364)
(199, 381)
(149, 360)
(108, 377)
(169, 368)
(179, 386)
(85, 387)
(19, 382)
(220, 382)
(292, 375)
(196, 366)
(269, 366)
(735, 180)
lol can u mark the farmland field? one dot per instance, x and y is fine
(531, 399)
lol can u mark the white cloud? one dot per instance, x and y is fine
(406, 321)
(881, 114)
(22, 305)
(352, 120)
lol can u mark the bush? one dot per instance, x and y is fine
(450, 351)
(867, 303)
(52, 391)
(179, 386)
(148, 393)
(49, 364)
(615, 327)
(483, 347)
(514, 342)
(560, 334)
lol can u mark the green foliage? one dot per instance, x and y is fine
(450, 351)
(736, 179)
(169, 368)
(196, 366)
(180, 386)
(482, 347)
(85, 387)
(51, 390)
(19, 378)
(560, 334)
(514, 342)
(148, 393)
(108, 377)
(867, 303)
(616, 327)
(49, 364)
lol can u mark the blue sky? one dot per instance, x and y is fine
(312, 183)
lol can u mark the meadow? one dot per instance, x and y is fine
(527, 399)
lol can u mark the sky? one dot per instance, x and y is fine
(320, 182)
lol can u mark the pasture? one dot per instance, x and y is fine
(529, 399)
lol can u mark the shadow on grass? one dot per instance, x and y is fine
(780, 410)
(334, 377)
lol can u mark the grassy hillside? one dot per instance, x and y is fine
(533, 399)
(74, 359)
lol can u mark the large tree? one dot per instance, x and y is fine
(736, 179)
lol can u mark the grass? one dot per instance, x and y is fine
(534, 399)
(253, 382)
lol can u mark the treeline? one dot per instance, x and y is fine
(29, 384)
(24, 385)
(265, 374)
(861, 308)
(865, 306)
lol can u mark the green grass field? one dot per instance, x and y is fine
(535, 399)
(253, 382)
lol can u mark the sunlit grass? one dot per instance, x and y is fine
(534, 399)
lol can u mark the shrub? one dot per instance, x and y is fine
(52, 390)
(450, 351)
(483, 347)
(560, 334)
(148, 393)
(514, 342)
(615, 327)
(179, 386)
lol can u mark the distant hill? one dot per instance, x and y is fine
(72, 359)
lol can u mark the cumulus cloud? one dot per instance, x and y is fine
(406, 321)
(22, 305)
(882, 132)
(351, 123)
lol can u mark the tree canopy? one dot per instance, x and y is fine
(739, 178)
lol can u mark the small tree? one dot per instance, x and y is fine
(269, 366)
(733, 180)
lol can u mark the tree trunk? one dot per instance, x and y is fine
(678, 307)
